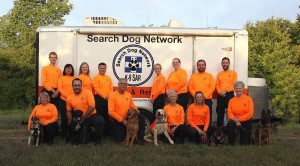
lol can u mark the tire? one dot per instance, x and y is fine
(149, 117)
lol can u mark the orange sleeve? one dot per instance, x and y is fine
(181, 116)
(158, 88)
(250, 111)
(211, 87)
(65, 86)
(32, 115)
(191, 85)
(54, 115)
(102, 86)
(234, 79)
(45, 82)
(229, 110)
(190, 117)
(182, 80)
(112, 104)
(207, 119)
(218, 83)
(91, 99)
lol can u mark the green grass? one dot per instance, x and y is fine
(283, 150)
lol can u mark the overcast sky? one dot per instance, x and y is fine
(191, 13)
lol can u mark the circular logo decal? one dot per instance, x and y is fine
(135, 63)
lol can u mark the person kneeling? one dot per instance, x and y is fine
(83, 100)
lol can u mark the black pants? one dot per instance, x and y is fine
(102, 109)
(49, 132)
(55, 100)
(245, 132)
(193, 134)
(179, 134)
(209, 103)
(222, 104)
(118, 130)
(158, 103)
(97, 122)
(183, 99)
(63, 117)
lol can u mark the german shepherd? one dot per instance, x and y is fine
(263, 131)
(36, 132)
(218, 135)
(132, 126)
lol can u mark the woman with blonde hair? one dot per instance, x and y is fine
(47, 116)
(84, 76)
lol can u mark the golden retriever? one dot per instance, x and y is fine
(132, 126)
(160, 127)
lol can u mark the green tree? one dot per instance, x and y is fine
(272, 56)
(17, 41)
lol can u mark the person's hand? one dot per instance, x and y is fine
(124, 122)
(55, 93)
(237, 122)
(107, 98)
(223, 93)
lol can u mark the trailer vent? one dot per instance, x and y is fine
(101, 21)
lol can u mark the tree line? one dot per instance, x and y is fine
(274, 54)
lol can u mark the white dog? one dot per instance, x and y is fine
(160, 127)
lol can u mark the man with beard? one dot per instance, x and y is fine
(83, 100)
(204, 82)
(224, 85)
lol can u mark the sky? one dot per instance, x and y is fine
(231, 14)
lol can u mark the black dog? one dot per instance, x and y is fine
(36, 132)
(75, 127)
(218, 135)
(263, 131)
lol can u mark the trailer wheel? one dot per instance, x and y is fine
(149, 117)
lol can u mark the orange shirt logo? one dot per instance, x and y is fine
(82, 98)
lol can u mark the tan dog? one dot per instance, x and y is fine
(132, 126)
(161, 127)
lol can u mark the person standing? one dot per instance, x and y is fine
(84, 75)
(50, 76)
(118, 106)
(204, 82)
(157, 95)
(240, 112)
(224, 85)
(177, 81)
(83, 100)
(65, 90)
(103, 88)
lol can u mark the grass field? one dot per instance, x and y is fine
(283, 150)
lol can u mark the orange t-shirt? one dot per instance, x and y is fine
(65, 86)
(119, 104)
(241, 108)
(50, 76)
(102, 85)
(159, 87)
(203, 82)
(198, 115)
(45, 113)
(177, 80)
(81, 102)
(225, 80)
(87, 83)
(175, 114)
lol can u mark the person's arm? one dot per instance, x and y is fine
(182, 80)
(61, 90)
(45, 82)
(190, 118)
(54, 114)
(211, 87)
(98, 88)
(207, 119)
(191, 86)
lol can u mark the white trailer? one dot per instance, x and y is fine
(117, 46)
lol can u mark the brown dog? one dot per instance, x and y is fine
(263, 131)
(132, 126)
(161, 127)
